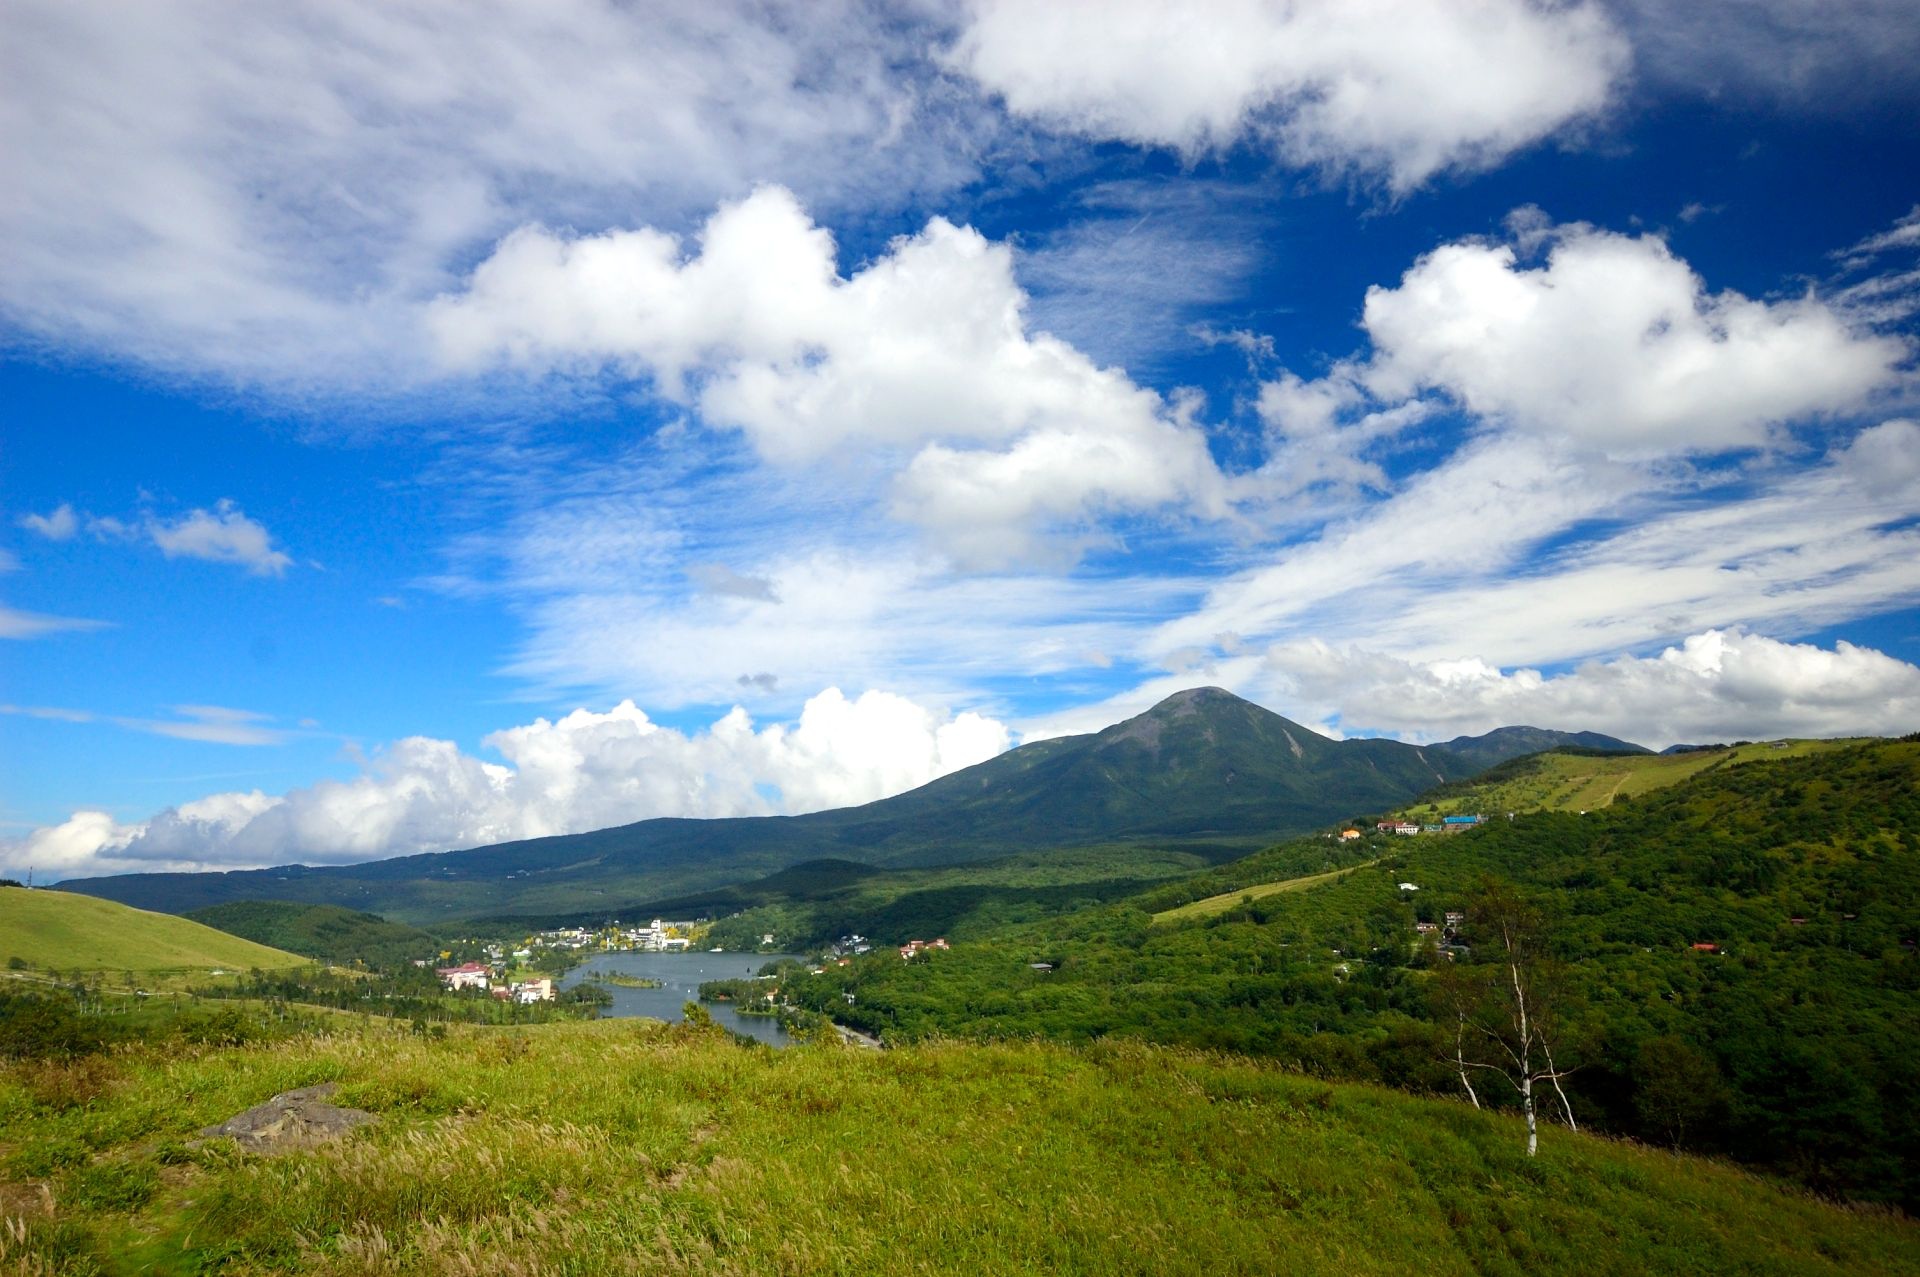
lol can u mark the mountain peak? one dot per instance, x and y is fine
(1208, 719)
(1194, 700)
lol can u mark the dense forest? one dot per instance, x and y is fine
(326, 932)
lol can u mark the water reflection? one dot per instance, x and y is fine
(680, 976)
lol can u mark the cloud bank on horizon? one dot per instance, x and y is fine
(1408, 367)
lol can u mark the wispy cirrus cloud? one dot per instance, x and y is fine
(1515, 552)
(16, 623)
(267, 194)
(1805, 55)
(211, 724)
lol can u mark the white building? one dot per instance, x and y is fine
(470, 975)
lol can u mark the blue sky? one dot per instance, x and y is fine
(418, 434)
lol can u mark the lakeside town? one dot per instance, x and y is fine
(499, 970)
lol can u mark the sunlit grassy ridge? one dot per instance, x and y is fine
(1590, 782)
(1218, 904)
(61, 931)
(627, 1147)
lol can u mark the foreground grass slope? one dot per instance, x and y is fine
(629, 1147)
(62, 931)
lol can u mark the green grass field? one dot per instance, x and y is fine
(628, 1147)
(1226, 900)
(65, 932)
(1581, 782)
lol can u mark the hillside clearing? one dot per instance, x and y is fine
(1226, 900)
(1587, 782)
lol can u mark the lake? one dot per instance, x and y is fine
(680, 976)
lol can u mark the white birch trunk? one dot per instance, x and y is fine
(1460, 1057)
(1467, 1084)
(1553, 1075)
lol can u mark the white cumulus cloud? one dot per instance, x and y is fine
(586, 770)
(925, 348)
(1614, 343)
(223, 534)
(1399, 88)
(1714, 686)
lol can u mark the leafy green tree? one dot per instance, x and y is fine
(1678, 1088)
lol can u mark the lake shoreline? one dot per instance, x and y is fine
(677, 979)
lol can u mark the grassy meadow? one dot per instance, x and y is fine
(1590, 782)
(64, 931)
(1226, 901)
(629, 1146)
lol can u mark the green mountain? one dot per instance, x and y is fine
(1203, 770)
(1503, 743)
(326, 932)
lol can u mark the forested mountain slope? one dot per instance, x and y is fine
(325, 932)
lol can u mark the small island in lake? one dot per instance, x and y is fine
(625, 981)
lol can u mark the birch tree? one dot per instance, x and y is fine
(1502, 1005)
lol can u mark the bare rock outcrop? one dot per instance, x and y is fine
(290, 1120)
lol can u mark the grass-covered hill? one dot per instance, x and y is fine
(61, 931)
(325, 932)
(628, 1147)
(1793, 1043)
(1588, 780)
